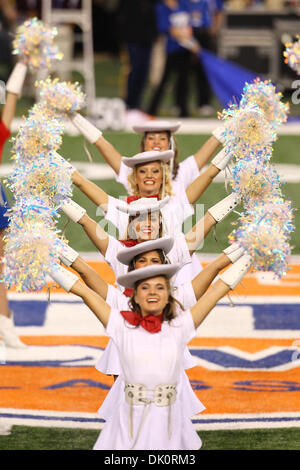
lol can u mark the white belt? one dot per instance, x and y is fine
(138, 394)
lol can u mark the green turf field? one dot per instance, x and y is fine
(39, 438)
(286, 151)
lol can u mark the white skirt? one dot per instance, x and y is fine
(153, 434)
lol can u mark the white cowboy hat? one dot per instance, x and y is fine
(147, 157)
(126, 255)
(142, 205)
(128, 280)
(156, 126)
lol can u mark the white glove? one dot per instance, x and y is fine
(87, 129)
(233, 275)
(218, 133)
(63, 277)
(234, 252)
(220, 210)
(67, 255)
(222, 159)
(72, 210)
(16, 79)
(57, 158)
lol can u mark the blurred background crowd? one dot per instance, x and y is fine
(149, 49)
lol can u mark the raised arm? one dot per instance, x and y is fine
(90, 189)
(78, 214)
(202, 281)
(201, 183)
(214, 215)
(13, 90)
(227, 281)
(95, 233)
(110, 154)
(206, 151)
(71, 283)
(95, 137)
(92, 279)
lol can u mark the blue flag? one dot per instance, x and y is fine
(226, 79)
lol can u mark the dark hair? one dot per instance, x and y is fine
(175, 164)
(169, 312)
(163, 258)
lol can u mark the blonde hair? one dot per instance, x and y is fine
(167, 184)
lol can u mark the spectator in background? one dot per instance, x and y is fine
(137, 31)
(173, 21)
(8, 17)
(206, 20)
(28, 9)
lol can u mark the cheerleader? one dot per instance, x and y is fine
(187, 294)
(150, 177)
(155, 135)
(153, 252)
(145, 221)
(151, 339)
(14, 87)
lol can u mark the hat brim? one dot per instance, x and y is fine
(154, 206)
(126, 255)
(156, 126)
(129, 280)
(148, 157)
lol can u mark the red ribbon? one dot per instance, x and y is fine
(128, 292)
(129, 243)
(151, 323)
(135, 198)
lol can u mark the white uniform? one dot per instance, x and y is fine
(179, 254)
(174, 213)
(150, 359)
(109, 362)
(187, 172)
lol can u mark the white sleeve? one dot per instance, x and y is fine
(182, 203)
(180, 250)
(118, 218)
(122, 177)
(115, 324)
(116, 299)
(188, 171)
(185, 327)
(113, 248)
(185, 295)
(175, 212)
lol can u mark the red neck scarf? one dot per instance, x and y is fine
(150, 323)
(129, 243)
(135, 198)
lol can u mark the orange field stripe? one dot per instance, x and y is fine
(250, 286)
(244, 344)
